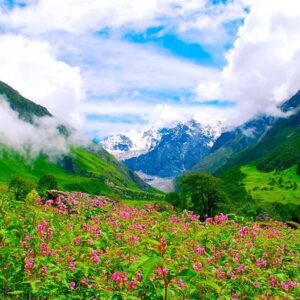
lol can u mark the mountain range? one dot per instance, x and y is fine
(166, 152)
(193, 147)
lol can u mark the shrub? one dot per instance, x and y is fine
(20, 187)
(199, 192)
(47, 182)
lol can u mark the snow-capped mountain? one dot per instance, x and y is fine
(131, 145)
(166, 152)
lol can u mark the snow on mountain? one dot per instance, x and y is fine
(165, 152)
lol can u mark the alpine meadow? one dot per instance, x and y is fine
(150, 149)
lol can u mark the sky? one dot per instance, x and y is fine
(111, 66)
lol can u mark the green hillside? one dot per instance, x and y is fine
(277, 186)
(89, 174)
(279, 148)
(91, 169)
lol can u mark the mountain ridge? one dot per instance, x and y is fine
(89, 169)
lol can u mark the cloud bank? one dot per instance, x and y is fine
(31, 66)
(263, 67)
(80, 61)
(31, 140)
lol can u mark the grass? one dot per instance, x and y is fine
(274, 186)
(91, 174)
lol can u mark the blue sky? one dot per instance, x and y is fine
(112, 66)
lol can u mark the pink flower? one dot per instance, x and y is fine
(77, 241)
(220, 273)
(45, 270)
(162, 271)
(45, 249)
(24, 245)
(199, 250)
(132, 285)
(180, 284)
(119, 277)
(27, 237)
(29, 264)
(95, 257)
(273, 282)
(240, 269)
(289, 285)
(261, 263)
(116, 277)
(72, 264)
(84, 282)
(243, 232)
(139, 276)
(197, 266)
(72, 285)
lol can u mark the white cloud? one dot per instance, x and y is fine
(155, 115)
(112, 66)
(28, 139)
(31, 67)
(79, 16)
(263, 68)
(31, 140)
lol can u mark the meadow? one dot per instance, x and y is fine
(94, 248)
(276, 186)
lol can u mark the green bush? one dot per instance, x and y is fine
(20, 187)
(47, 182)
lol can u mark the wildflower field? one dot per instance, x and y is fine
(74, 248)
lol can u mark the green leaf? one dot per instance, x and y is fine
(15, 293)
(187, 273)
(211, 284)
(138, 263)
(149, 265)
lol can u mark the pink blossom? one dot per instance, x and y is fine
(162, 271)
(95, 257)
(72, 285)
(289, 285)
(119, 277)
(72, 265)
(27, 237)
(29, 264)
(139, 276)
(273, 281)
(220, 273)
(132, 285)
(199, 250)
(180, 284)
(84, 282)
(45, 249)
(261, 263)
(240, 269)
(197, 266)
(243, 232)
(77, 241)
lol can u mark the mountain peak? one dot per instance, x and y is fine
(292, 103)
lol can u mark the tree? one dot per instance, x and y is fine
(20, 187)
(46, 182)
(201, 193)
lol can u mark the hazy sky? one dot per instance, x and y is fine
(108, 66)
